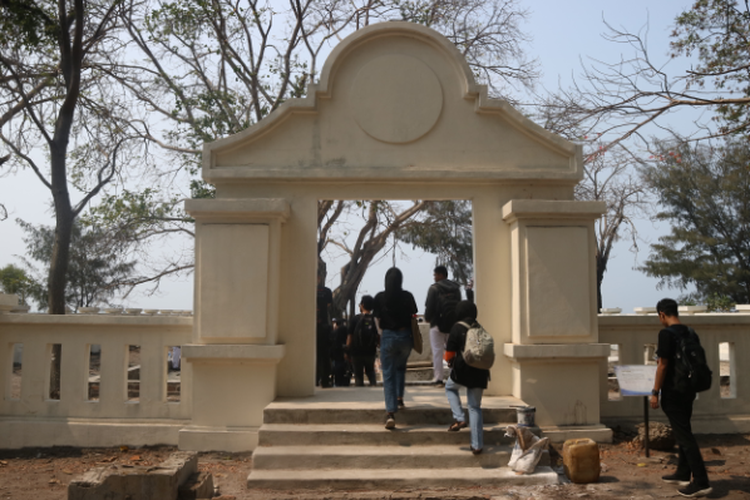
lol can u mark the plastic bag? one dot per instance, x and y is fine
(527, 451)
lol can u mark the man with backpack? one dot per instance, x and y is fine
(440, 312)
(679, 354)
(362, 342)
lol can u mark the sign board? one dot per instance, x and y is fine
(635, 380)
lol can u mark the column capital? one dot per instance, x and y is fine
(238, 210)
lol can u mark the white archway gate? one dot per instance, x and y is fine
(396, 115)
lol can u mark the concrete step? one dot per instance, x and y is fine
(379, 457)
(372, 435)
(412, 415)
(393, 479)
(337, 440)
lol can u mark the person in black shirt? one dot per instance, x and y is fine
(394, 309)
(341, 371)
(324, 302)
(463, 375)
(678, 406)
(363, 343)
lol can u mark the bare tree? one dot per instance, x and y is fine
(623, 108)
(53, 64)
(382, 221)
(609, 176)
(214, 68)
(627, 102)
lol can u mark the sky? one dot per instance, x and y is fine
(563, 33)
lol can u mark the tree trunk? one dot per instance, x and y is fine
(58, 266)
(601, 267)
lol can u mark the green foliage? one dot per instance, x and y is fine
(98, 264)
(445, 229)
(718, 303)
(717, 31)
(15, 280)
(27, 23)
(201, 189)
(131, 218)
(705, 195)
(713, 303)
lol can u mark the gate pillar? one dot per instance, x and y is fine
(555, 355)
(234, 351)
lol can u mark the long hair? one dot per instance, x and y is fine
(394, 280)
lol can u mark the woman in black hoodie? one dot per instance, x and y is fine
(394, 309)
(463, 375)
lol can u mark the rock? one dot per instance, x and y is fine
(136, 482)
(660, 436)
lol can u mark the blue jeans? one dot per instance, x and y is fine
(395, 347)
(474, 397)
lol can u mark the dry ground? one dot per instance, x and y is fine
(44, 473)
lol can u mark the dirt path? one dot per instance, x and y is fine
(44, 473)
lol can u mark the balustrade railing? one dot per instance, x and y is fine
(726, 339)
(110, 367)
(116, 370)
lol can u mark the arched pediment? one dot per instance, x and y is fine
(395, 101)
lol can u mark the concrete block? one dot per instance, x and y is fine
(122, 482)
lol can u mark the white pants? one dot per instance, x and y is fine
(437, 342)
(176, 352)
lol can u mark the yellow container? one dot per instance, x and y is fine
(581, 460)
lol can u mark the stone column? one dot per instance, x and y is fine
(554, 353)
(234, 352)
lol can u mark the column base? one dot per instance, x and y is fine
(559, 434)
(233, 440)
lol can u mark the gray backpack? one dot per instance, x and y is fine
(479, 350)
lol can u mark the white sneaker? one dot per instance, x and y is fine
(390, 422)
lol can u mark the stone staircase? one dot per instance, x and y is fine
(343, 445)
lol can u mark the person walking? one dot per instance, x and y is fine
(362, 342)
(463, 375)
(677, 403)
(324, 301)
(339, 357)
(440, 312)
(394, 308)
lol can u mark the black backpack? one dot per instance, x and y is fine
(691, 372)
(365, 336)
(449, 295)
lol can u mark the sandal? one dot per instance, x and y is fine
(456, 426)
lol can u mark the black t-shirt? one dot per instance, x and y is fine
(666, 347)
(324, 300)
(395, 314)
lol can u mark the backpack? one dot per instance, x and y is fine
(479, 349)
(365, 336)
(691, 372)
(449, 295)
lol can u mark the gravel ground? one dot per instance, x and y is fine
(44, 473)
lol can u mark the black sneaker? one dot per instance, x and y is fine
(677, 479)
(692, 490)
